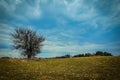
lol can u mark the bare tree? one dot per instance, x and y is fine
(27, 41)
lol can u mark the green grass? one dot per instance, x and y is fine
(84, 68)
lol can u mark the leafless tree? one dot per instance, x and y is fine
(27, 41)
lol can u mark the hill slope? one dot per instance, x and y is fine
(86, 68)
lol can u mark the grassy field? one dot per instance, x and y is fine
(84, 68)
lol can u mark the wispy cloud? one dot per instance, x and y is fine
(9, 53)
(61, 48)
(103, 13)
(95, 12)
(69, 40)
(5, 31)
(21, 9)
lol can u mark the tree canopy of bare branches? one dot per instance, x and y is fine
(27, 41)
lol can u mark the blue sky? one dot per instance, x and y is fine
(69, 26)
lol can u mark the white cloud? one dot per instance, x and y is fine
(61, 48)
(34, 11)
(76, 10)
(99, 14)
(55, 44)
(10, 53)
(21, 9)
(5, 31)
(80, 11)
(5, 28)
(5, 40)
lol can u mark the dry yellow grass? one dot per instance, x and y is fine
(84, 68)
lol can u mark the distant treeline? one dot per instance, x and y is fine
(98, 53)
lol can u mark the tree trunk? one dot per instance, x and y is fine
(29, 56)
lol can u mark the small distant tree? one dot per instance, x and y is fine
(107, 54)
(87, 54)
(99, 53)
(27, 41)
(67, 55)
(64, 56)
(79, 55)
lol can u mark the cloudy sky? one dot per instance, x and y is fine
(69, 26)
